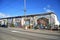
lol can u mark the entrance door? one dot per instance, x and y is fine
(27, 23)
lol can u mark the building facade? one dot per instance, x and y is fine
(37, 21)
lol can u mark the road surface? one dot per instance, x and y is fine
(8, 34)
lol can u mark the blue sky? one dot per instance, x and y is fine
(16, 7)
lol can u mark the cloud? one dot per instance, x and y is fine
(44, 8)
(48, 9)
(2, 15)
(48, 6)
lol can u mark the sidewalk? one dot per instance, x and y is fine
(37, 31)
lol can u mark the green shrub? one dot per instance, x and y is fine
(12, 25)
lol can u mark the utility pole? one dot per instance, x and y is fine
(25, 13)
(25, 8)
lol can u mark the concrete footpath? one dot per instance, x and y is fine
(41, 31)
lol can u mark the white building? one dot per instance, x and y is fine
(45, 19)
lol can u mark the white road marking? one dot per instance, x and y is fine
(37, 35)
(14, 31)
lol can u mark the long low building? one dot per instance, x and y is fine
(40, 21)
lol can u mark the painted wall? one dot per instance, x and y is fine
(32, 20)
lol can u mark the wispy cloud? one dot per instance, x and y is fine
(2, 15)
(48, 9)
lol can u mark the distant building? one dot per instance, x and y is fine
(44, 20)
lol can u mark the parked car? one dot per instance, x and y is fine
(5, 26)
(55, 27)
(59, 25)
(0, 25)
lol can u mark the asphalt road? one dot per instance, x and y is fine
(7, 34)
